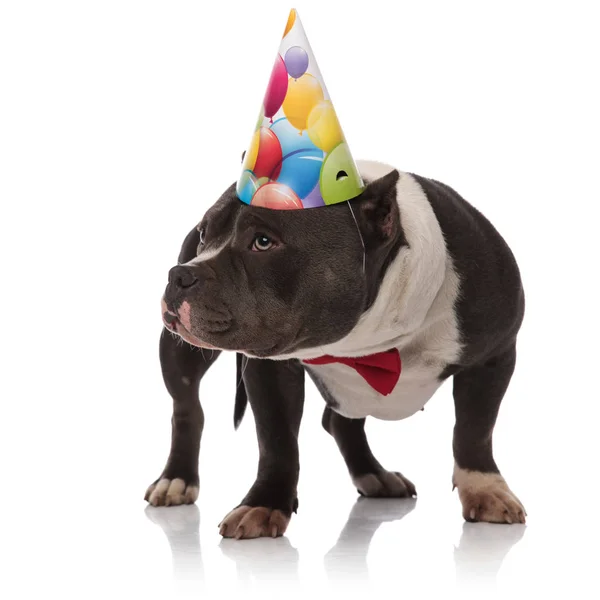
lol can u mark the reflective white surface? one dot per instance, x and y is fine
(478, 556)
(115, 549)
(121, 122)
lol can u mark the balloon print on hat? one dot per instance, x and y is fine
(323, 126)
(302, 95)
(290, 138)
(296, 61)
(246, 186)
(301, 170)
(314, 199)
(300, 159)
(268, 154)
(276, 195)
(290, 22)
(251, 155)
(339, 178)
(261, 118)
(277, 88)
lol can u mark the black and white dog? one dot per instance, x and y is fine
(408, 274)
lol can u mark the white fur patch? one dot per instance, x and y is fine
(414, 312)
(475, 480)
(207, 254)
(167, 492)
(487, 497)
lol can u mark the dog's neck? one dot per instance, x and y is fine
(420, 273)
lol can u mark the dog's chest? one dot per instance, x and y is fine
(351, 396)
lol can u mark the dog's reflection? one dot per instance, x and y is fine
(263, 559)
(478, 557)
(482, 550)
(181, 525)
(348, 557)
(266, 559)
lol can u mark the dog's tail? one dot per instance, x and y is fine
(241, 397)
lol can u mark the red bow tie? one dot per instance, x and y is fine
(381, 371)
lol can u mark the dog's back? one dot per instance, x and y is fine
(491, 302)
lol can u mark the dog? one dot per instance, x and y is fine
(408, 273)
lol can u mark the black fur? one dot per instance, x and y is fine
(489, 311)
(253, 301)
(183, 366)
(350, 436)
(241, 397)
(491, 304)
(276, 394)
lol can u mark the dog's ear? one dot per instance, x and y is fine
(378, 209)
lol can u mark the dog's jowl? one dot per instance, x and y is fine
(379, 299)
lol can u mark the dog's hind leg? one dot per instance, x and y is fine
(483, 492)
(367, 474)
(183, 366)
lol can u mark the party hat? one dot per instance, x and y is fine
(298, 156)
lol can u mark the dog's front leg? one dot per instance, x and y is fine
(483, 492)
(183, 366)
(276, 394)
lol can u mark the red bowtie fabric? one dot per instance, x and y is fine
(381, 370)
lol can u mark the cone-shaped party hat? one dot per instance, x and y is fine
(298, 156)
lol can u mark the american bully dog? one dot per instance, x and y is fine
(379, 300)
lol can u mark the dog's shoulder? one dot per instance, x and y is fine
(490, 305)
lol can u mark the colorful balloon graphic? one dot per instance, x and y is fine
(300, 171)
(277, 88)
(302, 95)
(277, 196)
(246, 187)
(261, 118)
(323, 126)
(296, 61)
(314, 199)
(269, 156)
(298, 157)
(290, 22)
(289, 137)
(250, 158)
(339, 179)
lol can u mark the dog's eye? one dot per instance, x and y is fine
(202, 235)
(261, 243)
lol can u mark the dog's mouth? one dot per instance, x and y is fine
(170, 320)
(174, 319)
(173, 323)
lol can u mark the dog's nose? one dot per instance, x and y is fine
(182, 277)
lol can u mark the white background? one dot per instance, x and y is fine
(120, 124)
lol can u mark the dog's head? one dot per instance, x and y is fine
(272, 282)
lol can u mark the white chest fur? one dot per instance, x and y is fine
(356, 399)
(414, 311)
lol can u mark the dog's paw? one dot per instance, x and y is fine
(487, 497)
(171, 492)
(386, 484)
(246, 522)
